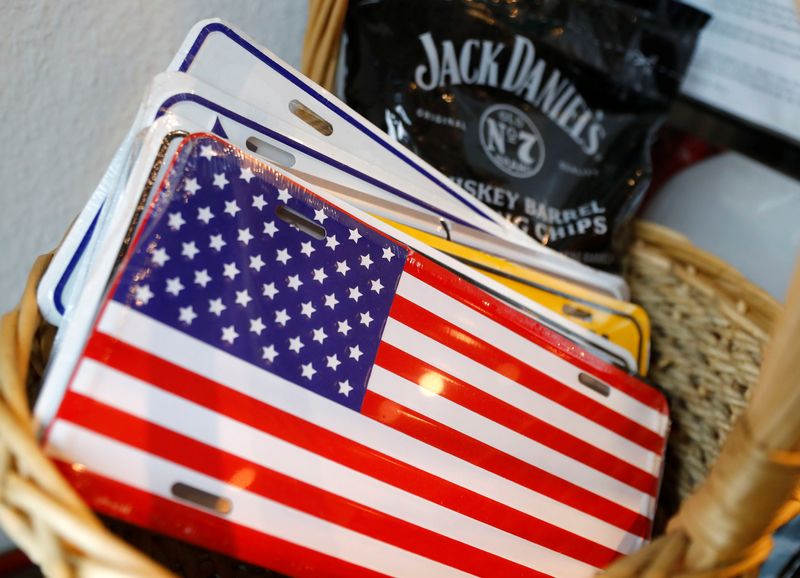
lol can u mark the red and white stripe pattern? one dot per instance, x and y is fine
(477, 450)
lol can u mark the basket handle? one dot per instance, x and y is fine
(322, 40)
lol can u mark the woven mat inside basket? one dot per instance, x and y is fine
(710, 327)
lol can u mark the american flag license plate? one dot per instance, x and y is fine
(272, 378)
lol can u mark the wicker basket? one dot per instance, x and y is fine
(710, 327)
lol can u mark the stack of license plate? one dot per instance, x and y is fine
(286, 338)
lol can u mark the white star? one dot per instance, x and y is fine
(257, 326)
(295, 344)
(344, 327)
(207, 151)
(256, 262)
(220, 181)
(174, 286)
(143, 294)
(246, 175)
(230, 270)
(282, 317)
(388, 254)
(331, 242)
(259, 202)
(243, 298)
(189, 250)
(269, 353)
(268, 290)
(160, 257)
(283, 256)
(216, 242)
(331, 301)
(202, 277)
(175, 221)
(376, 285)
(333, 361)
(229, 334)
(366, 318)
(345, 387)
(284, 196)
(216, 306)
(187, 315)
(307, 309)
(204, 214)
(270, 228)
(355, 294)
(319, 215)
(354, 235)
(191, 187)
(319, 275)
(307, 248)
(355, 352)
(366, 261)
(341, 267)
(308, 370)
(294, 282)
(244, 235)
(319, 335)
(231, 208)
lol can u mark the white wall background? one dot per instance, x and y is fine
(72, 75)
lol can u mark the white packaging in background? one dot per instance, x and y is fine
(741, 211)
(747, 62)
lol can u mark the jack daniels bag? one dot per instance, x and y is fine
(543, 109)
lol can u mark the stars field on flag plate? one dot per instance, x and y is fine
(239, 278)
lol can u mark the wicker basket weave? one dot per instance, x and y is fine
(710, 327)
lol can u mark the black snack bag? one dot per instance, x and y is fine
(543, 109)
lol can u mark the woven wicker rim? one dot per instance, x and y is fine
(39, 510)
